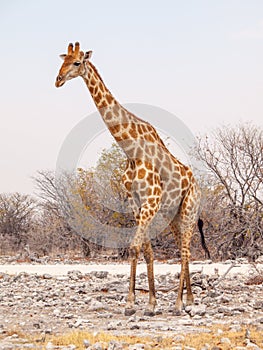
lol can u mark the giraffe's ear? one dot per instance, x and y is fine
(62, 56)
(87, 55)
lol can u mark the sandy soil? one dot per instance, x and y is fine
(159, 268)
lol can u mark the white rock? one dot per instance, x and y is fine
(225, 341)
(179, 338)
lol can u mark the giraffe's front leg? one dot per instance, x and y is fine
(148, 255)
(134, 254)
(148, 203)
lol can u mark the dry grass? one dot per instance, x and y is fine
(212, 336)
(78, 337)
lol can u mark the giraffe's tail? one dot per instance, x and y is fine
(200, 227)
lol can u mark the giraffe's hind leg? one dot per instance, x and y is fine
(183, 239)
(184, 275)
(190, 297)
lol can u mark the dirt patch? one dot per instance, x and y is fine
(43, 304)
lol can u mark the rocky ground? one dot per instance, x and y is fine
(43, 304)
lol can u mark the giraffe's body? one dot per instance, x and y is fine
(154, 179)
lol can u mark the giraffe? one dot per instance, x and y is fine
(154, 179)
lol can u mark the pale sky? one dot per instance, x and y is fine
(200, 60)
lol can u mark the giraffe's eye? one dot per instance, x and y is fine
(76, 64)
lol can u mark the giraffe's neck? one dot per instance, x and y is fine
(107, 105)
(130, 132)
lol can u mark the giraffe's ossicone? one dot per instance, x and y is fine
(154, 179)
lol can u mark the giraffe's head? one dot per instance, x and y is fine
(73, 64)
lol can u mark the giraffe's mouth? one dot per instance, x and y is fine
(59, 81)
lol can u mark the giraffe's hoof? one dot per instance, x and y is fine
(149, 312)
(177, 312)
(129, 311)
(190, 301)
(178, 307)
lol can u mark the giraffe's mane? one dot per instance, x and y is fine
(96, 71)
(158, 138)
